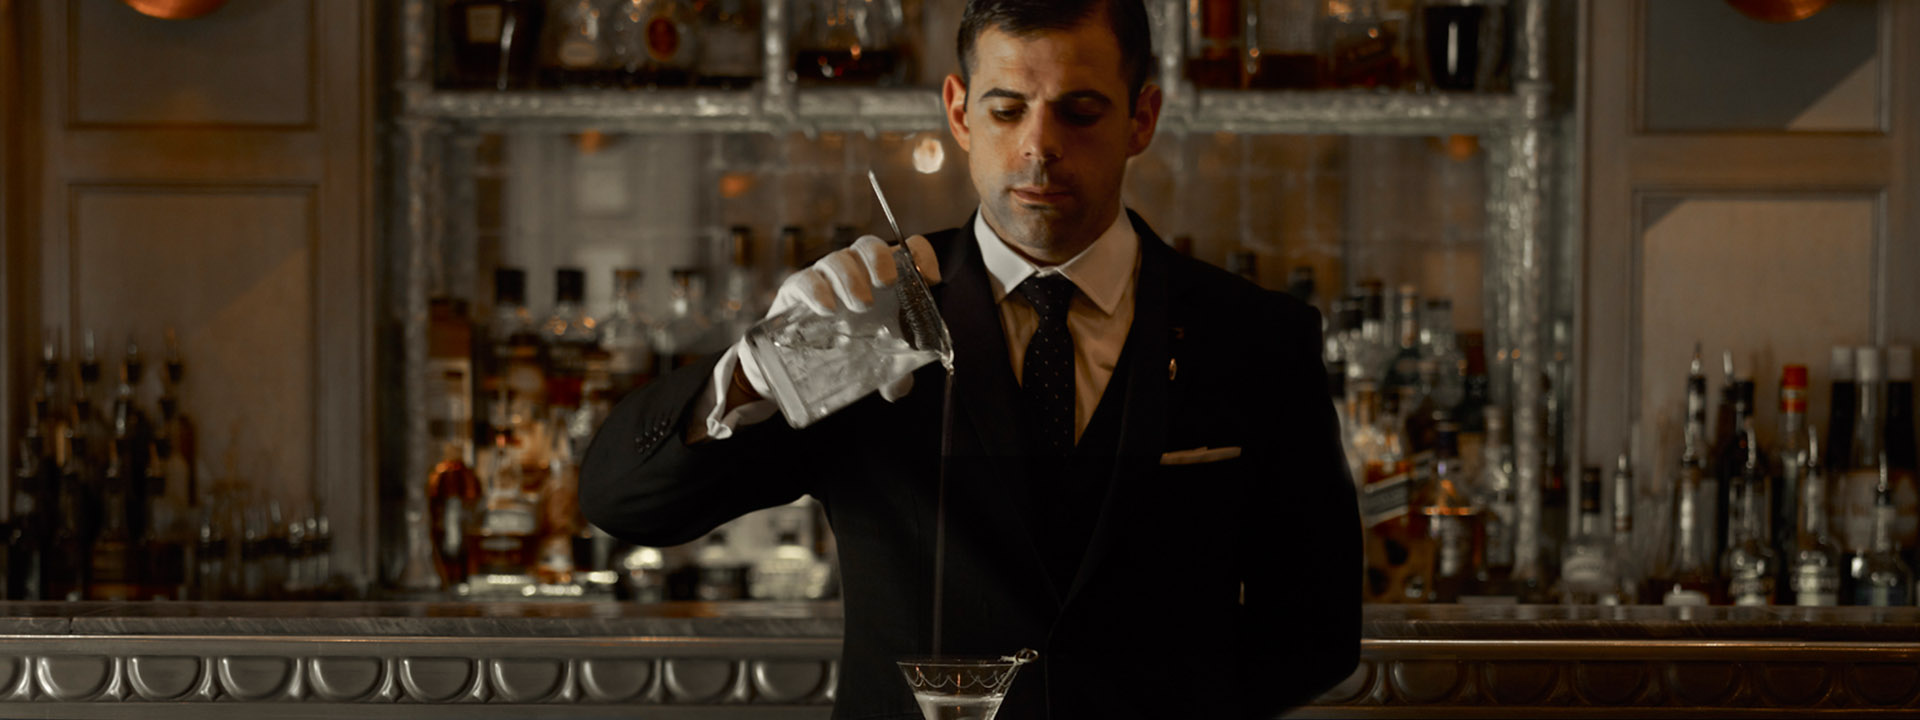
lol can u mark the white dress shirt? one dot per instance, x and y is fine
(1099, 318)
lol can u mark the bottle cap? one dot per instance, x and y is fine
(569, 285)
(509, 286)
(1842, 363)
(1793, 376)
(1866, 365)
(1900, 363)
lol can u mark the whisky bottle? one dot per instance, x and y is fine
(1853, 496)
(1216, 45)
(1362, 50)
(1880, 577)
(452, 490)
(849, 42)
(515, 378)
(1453, 522)
(164, 538)
(1789, 468)
(729, 54)
(722, 576)
(1286, 44)
(66, 567)
(738, 306)
(114, 572)
(1816, 563)
(1750, 561)
(1398, 552)
(1626, 557)
(685, 332)
(1495, 496)
(29, 530)
(505, 533)
(1689, 577)
(623, 336)
(570, 335)
(656, 43)
(1589, 567)
(1843, 393)
(577, 47)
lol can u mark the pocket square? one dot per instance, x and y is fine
(1199, 455)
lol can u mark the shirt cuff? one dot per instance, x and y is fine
(722, 421)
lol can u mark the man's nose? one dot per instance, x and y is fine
(1041, 138)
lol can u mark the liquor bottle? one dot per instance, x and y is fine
(1625, 556)
(1495, 496)
(320, 545)
(1853, 496)
(738, 306)
(29, 530)
(1840, 412)
(577, 49)
(1372, 348)
(849, 42)
(563, 546)
(1400, 373)
(114, 572)
(1245, 264)
(722, 576)
(263, 551)
(1723, 465)
(1456, 51)
(569, 336)
(1397, 548)
(791, 571)
(1286, 44)
(452, 490)
(1453, 522)
(1589, 567)
(1689, 576)
(729, 43)
(1789, 465)
(164, 538)
(1880, 577)
(1361, 48)
(175, 437)
(1216, 45)
(1750, 561)
(492, 42)
(1339, 338)
(213, 545)
(1900, 443)
(685, 332)
(623, 335)
(643, 575)
(1745, 477)
(1303, 287)
(70, 558)
(515, 376)
(505, 534)
(1439, 343)
(1816, 563)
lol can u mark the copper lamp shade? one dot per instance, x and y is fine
(1778, 11)
(175, 9)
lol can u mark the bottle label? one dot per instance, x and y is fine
(579, 53)
(663, 39)
(511, 521)
(1455, 538)
(1386, 500)
(1684, 598)
(1816, 587)
(1584, 569)
(483, 24)
(1750, 591)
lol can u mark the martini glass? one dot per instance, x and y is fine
(962, 688)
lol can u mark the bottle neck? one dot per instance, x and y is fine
(1866, 426)
(1813, 506)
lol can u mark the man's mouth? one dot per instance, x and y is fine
(1041, 194)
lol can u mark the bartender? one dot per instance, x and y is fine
(1145, 480)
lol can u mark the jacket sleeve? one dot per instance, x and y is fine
(641, 482)
(1302, 574)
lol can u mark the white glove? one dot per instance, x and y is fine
(845, 277)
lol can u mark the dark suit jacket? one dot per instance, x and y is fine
(1154, 624)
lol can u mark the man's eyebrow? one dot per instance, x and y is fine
(1075, 96)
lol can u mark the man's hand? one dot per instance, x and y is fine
(846, 278)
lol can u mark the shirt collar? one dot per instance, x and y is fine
(1101, 271)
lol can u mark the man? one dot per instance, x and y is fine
(1145, 484)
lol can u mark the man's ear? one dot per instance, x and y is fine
(1146, 117)
(954, 93)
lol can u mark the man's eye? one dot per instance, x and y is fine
(1004, 113)
(1082, 118)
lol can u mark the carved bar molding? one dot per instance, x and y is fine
(78, 676)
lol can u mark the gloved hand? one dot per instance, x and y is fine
(845, 277)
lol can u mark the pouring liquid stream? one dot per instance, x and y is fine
(940, 505)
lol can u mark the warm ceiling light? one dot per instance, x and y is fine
(1778, 11)
(175, 9)
(929, 155)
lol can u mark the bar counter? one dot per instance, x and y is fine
(771, 660)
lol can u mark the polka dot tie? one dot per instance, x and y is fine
(1046, 378)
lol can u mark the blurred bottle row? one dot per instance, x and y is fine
(517, 44)
(514, 402)
(110, 502)
(1441, 45)
(1450, 45)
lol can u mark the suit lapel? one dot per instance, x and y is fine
(984, 386)
(1143, 421)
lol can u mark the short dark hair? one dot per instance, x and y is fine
(1128, 18)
